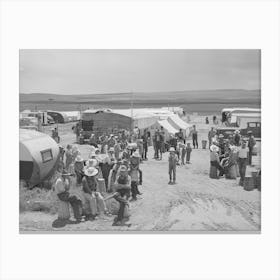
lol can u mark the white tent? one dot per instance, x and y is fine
(178, 123)
(168, 127)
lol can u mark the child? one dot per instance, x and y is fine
(172, 161)
(188, 151)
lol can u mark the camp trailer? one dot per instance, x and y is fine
(227, 113)
(38, 156)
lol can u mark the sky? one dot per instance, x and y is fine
(112, 71)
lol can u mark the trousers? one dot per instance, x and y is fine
(172, 173)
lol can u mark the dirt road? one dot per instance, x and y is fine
(195, 203)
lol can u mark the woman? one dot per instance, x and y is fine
(214, 159)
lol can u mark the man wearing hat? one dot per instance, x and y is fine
(172, 163)
(79, 168)
(242, 155)
(62, 186)
(194, 137)
(89, 183)
(123, 187)
(251, 145)
(211, 135)
(111, 155)
(236, 137)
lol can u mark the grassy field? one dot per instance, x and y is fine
(202, 102)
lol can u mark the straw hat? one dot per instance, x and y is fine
(233, 149)
(79, 158)
(214, 148)
(172, 149)
(91, 171)
(237, 131)
(111, 149)
(136, 154)
(221, 135)
(123, 168)
(92, 162)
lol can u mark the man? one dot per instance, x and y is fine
(180, 136)
(89, 183)
(173, 141)
(194, 137)
(211, 135)
(242, 156)
(236, 138)
(111, 141)
(62, 186)
(251, 145)
(79, 168)
(145, 145)
(123, 186)
(157, 143)
(172, 163)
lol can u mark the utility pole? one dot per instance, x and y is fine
(131, 107)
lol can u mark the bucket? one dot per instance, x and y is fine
(204, 143)
(249, 184)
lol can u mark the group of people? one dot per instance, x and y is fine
(110, 171)
(232, 155)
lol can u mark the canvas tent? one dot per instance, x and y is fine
(178, 123)
(168, 128)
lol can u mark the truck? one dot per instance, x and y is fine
(101, 122)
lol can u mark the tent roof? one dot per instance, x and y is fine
(165, 124)
(179, 122)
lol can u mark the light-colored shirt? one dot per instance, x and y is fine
(242, 152)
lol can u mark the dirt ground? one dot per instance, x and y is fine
(195, 203)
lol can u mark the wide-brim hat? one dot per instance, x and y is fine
(221, 135)
(214, 148)
(237, 131)
(122, 168)
(91, 171)
(233, 149)
(171, 149)
(92, 162)
(136, 154)
(79, 158)
(111, 149)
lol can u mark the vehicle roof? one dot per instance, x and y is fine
(256, 114)
(241, 109)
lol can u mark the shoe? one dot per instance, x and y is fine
(174, 183)
(133, 199)
(169, 183)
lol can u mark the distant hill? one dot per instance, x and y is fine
(191, 100)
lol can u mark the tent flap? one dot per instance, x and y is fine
(166, 125)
